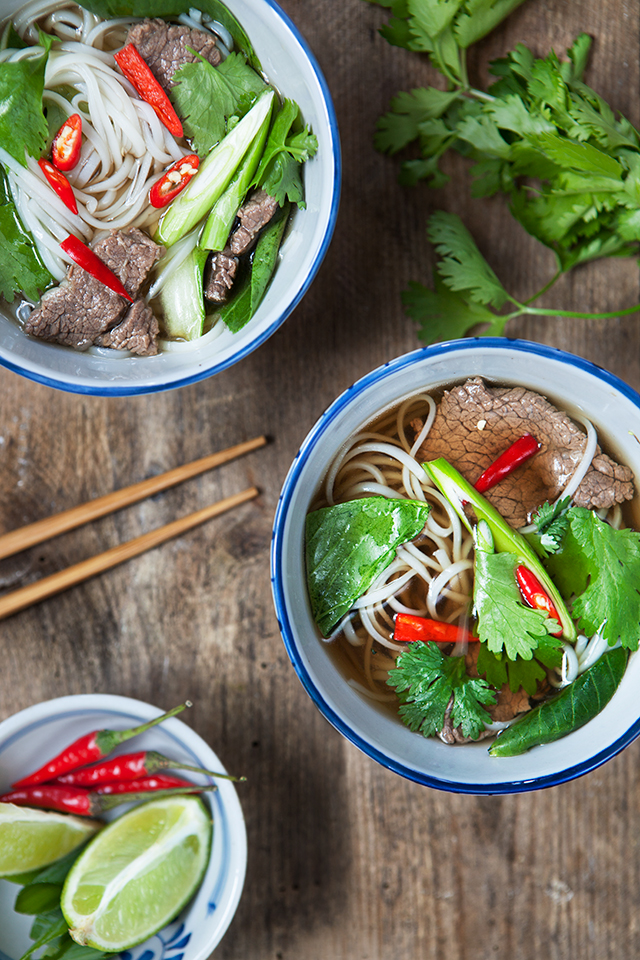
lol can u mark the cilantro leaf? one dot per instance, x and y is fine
(444, 315)
(551, 523)
(402, 124)
(462, 267)
(601, 567)
(504, 622)
(206, 96)
(286, 149)
(21, 268)
(22, 121)
(426, 679)
(480, 17)
(498, 669)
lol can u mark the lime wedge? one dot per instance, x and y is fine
(32, 839)
(137, 874)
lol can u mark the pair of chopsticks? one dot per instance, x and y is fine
(42, 530)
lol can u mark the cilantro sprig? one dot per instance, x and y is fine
(288, 147)
(426, 679)
(539, 121)
(600, 567)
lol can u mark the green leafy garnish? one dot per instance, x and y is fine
(348, 545)
(600, 566)
(206, 96)
(497, 669)
(504, 622)
(425, 680)
(574, 706)
(21, 268)
(551, 523)
(288, 147)
(22, 120)
(246, 300)
(569, 166)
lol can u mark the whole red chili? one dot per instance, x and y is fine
(514, 456)
(92, 746)
(409, 628)
(92, 263)
(174, 180)
(138, 73)
(85, 803)
(60, 184)
(534, 594)
(130, 766)
(159, 781)
(67, 143)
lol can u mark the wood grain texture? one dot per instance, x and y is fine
(346, 860)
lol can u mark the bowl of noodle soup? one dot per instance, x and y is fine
(112, 190)
(370, 422)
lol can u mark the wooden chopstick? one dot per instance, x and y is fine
(57, 582)
(49, 527)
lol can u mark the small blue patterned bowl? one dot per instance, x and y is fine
(32, 736)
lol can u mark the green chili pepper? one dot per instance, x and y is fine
(572, 708)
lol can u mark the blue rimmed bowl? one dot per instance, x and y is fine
(572, 384)
(31, 737)
(290, 65)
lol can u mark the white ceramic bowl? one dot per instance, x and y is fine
(31, 737)
(291, 66)
(573, 384)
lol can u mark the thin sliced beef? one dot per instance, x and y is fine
(81, 309)
(253, 216)
(475, 424)
(131, 255)
(219, 276)
(164, 47)
(75, 312)
(137, 332)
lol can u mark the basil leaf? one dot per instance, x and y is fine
(578, 703)
(38, 898)
(349, 545)
(22, 122)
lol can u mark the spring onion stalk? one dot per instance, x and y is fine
(459, 492)
(218, 226)
(214, 175)
(182, 298)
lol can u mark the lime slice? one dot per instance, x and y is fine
(32, 839)
(137, 874)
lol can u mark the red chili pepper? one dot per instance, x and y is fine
(159, 781)
(85, 803)
(174, 180)
(92, 263)
(138, 73)
(130, 766)
(60, 184)
(67, 143)
(92, 746)
(518, 453)
(410, 628)
(534, 594)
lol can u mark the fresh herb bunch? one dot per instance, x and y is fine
(539, 134)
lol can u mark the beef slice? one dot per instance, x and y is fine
(475, 423)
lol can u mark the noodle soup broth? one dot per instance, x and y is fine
(571, 385)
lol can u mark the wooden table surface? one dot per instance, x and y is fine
(347, 861)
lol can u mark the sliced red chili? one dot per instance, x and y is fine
(174, 180)
(92, 263)
(67, 143)
(138, 73)
(514, 456)
(534, 594)
(409, 628)
(60, 184)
